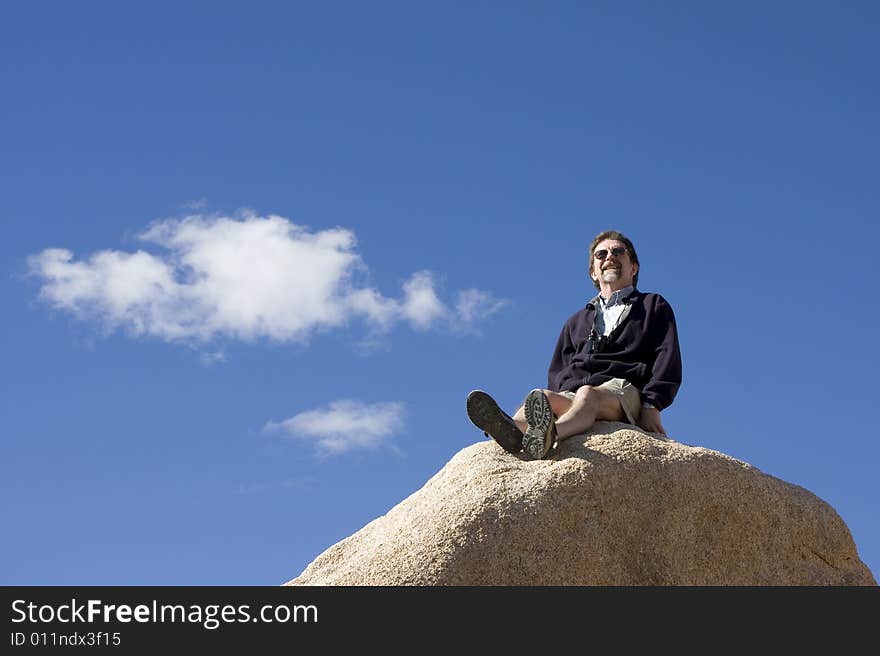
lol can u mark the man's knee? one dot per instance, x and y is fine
(586, 394)
(559, 403)
(605, 403)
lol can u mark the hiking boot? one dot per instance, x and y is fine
(541, 433)
(485, 414)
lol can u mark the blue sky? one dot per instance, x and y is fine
(255, 257)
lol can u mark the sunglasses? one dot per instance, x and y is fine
(617, 251)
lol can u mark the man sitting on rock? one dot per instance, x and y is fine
(617, 359)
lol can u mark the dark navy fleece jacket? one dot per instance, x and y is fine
(643, 349)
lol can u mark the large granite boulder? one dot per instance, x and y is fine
(616, 506)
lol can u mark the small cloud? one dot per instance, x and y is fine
(300, 484)
(421, 306)
(209, 359)
(195, 205)
(474, 306)
(344, 425)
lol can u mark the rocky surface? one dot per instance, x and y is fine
(616, 506)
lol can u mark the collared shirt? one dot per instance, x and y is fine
(609, 315)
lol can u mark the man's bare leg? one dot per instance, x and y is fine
(590, 405)
(559, 404)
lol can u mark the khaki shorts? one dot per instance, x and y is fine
(630, 399)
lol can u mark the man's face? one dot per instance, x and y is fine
(616, 270)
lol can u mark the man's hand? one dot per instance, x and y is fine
(650, 421)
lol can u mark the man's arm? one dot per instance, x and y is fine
(561, 357)
(665, 378)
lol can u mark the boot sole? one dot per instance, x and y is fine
(485, 414)
(539, 438)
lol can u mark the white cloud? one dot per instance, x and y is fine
(474, 305)
(300, 484)
(244, 277)
(211, 358)
(420, 304)
(199, 204)
(344, 425)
